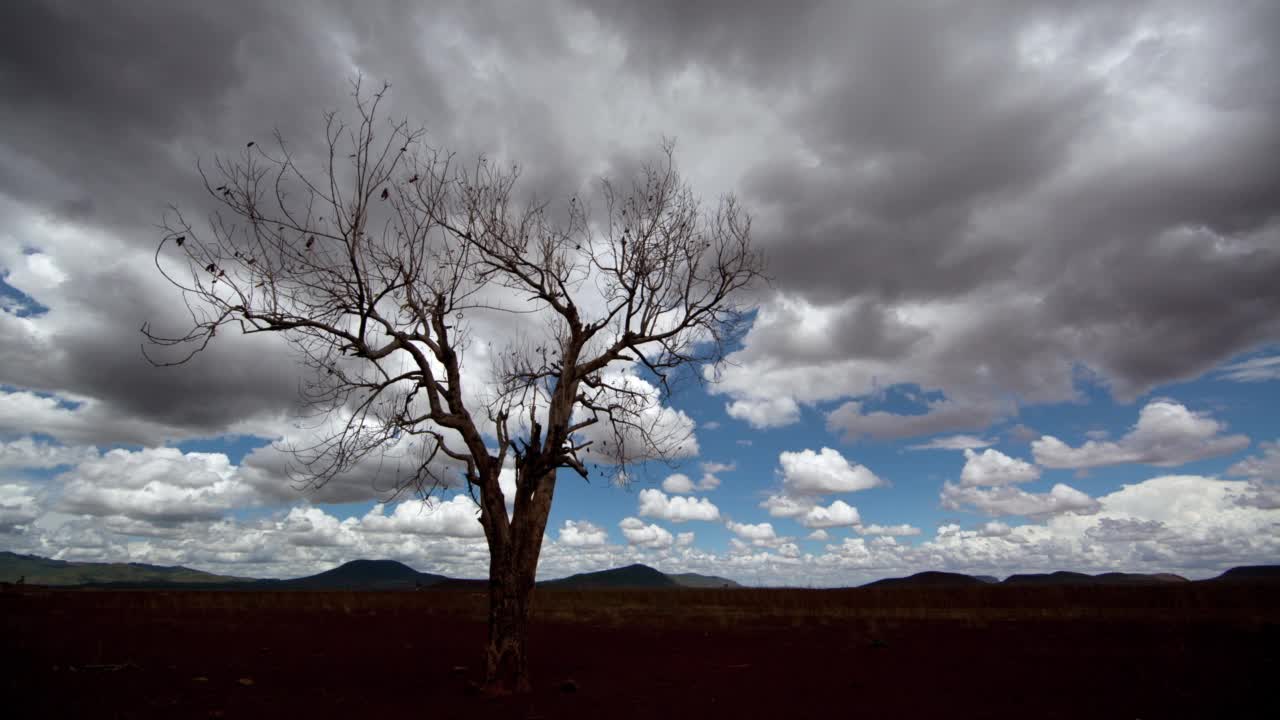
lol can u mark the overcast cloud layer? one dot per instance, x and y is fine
(991, 205)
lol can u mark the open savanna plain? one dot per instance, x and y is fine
(1196, 650)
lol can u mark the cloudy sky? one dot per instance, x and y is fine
(1024, 314)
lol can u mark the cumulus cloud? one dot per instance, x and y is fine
(766, 412)
(650, 536)
(1264, 466)
(655, 503)
(837, 514)
(758, 534)
(19, 506)
(654, 430)
(312, 527)
(994, 528)
(819, 473)
(1263, 472)
(581, 533)
(161, 485)
(455, 517)
(786, 505)
(1007, 500)
(27, 453)
(1167, 434)
(681, 484)
(888, 530)
(993, 467)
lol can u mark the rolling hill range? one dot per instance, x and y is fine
(394, 575)
(43, 571)
(353, 575)
(1062, 577)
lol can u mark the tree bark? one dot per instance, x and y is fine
(506, 667)
(513, 567)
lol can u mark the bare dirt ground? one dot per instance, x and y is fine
(736, 654)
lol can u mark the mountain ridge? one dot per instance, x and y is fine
(386, 574)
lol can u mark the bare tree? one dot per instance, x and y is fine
(379, 266)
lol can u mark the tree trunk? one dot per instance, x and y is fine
(513, 567)
(506, 667)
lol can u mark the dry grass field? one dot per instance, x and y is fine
(1195, 650)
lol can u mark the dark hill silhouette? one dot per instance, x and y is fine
(45, 571)
(631, 576)
(929, 578)
(461, 584)
(694, 580)
(361, 575)
(1250, 573)
(1063, 577)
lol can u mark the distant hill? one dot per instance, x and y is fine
(694, 580)
(631, 576)
(1250, 573)
(360, 575)
(44, 571)
(929, 579)
(1063, 577)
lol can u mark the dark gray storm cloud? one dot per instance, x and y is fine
(986, 195)
(1107, 165)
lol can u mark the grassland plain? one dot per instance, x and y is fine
(1192, 650)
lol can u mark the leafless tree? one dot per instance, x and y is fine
(380, 265)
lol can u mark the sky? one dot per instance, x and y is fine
(1023, 313)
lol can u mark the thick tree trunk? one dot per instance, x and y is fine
(513, 567)
(506, 669)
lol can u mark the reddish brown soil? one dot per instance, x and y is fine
(131, 655)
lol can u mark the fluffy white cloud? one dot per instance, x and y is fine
(819, 534)
(1265, 466)
(819, 473)
(888, 530)
(650, 536)
(581, 533)
(18, 506)
(653, 431)
(1263, 472)
(161, 485)
(655, 503)
(681, 484)
(678, 483)
(786, 505)
(27, 453)
(994, 528)
(837, 514)
(758, 534)
(993, 467)
(313, 527)
(1166, 434)
(455, 517)
(1007, 500)
(767, 412)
